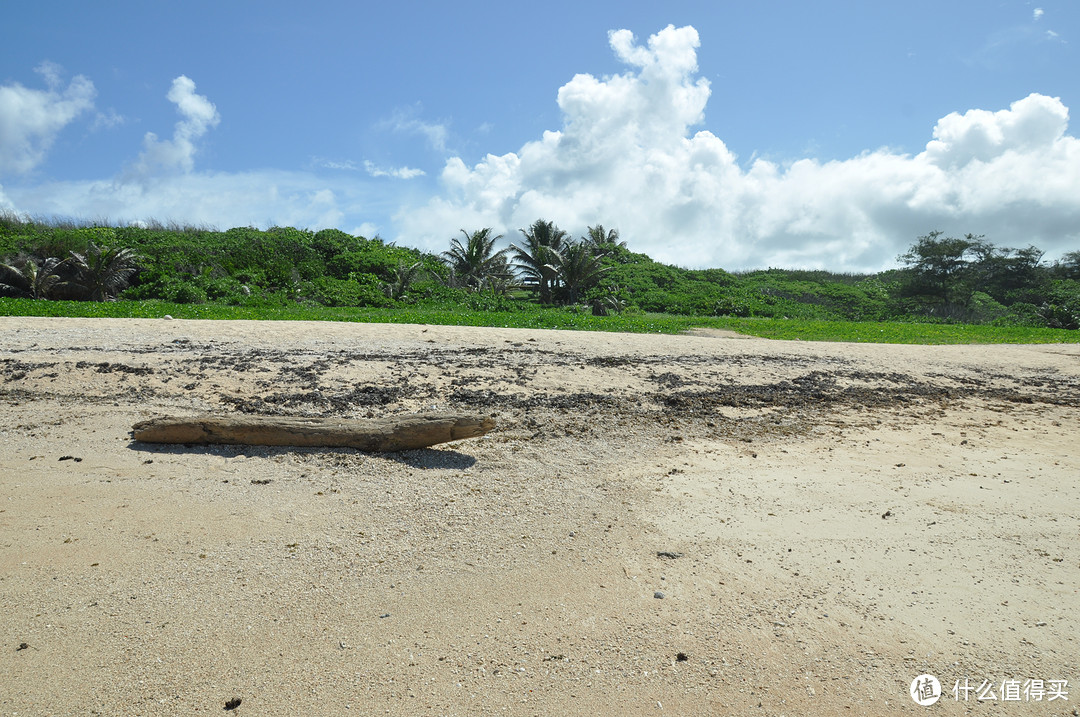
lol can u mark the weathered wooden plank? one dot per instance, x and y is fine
(375, 435)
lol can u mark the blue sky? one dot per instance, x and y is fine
(736, 135)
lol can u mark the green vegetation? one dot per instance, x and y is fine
(949, 291)
(538, 317)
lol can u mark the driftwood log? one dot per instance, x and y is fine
(375, 435)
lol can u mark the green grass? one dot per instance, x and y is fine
(553, 318)
(531, 318)
(895, 332)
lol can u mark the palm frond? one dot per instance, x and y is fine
(104, 273)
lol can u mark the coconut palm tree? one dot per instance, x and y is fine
(579, 269)
(475, 263)
(498, 284)
(12, 282)
(602, 241)
(403, 278)
(538, 258)
(44, 278)
(103, 273)
(32, 280)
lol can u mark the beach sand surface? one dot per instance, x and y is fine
(699, 524)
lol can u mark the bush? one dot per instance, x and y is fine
(984, 309)
(359, 290)
(732, 305)
(1020, 314)
(186, 293)
(1058, 316)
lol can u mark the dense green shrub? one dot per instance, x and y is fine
(985, 310)
(186, 293)
(1020, 314)
(943, 280)
(357, 290)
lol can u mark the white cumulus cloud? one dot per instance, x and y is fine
(198, 116)
(31, 119)
(162, 184)
(631, 154)
(1029, 125)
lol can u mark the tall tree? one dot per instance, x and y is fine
(938, 270)
(1068, 266)
(1009, 275)
(476, 263)
(580, 269)
(601, 240)
(537, 259)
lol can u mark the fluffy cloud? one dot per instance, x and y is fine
(627, 155)
(162, 185)
(631, 153)
(978, 135)
(198, 116)
(31, 119)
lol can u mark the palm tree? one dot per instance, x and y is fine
(42, 279)
(498, 284)
(538, 260)
(32, 280)
(580, 269)
(602, 241)
(12, 282)
(404, 276)
(103, 273)
(476, 262)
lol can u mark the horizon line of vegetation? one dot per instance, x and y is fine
(546, 278)
(548, 318)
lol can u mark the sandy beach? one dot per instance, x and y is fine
(700, 524)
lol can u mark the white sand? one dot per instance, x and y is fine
(849, 516)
